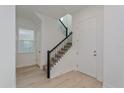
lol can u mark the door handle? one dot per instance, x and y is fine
(94, 54)
(94, 51)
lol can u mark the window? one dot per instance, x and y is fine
(26, 41)
(61, 18)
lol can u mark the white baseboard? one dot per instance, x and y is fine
(105, 85)
(60, 73)
(26, 66)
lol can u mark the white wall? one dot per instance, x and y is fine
(51, 35)
(65, 64)
(84, 14)
(114, 46)
(7, 46)
(26, 59)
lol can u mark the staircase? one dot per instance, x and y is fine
(54, 55)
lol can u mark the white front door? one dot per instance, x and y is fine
(87, 46)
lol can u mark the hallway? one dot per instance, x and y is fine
(33, 77)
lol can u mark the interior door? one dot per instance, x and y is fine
(87, 46)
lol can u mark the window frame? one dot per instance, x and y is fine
(18, 46)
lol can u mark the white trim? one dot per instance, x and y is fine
(106, 85)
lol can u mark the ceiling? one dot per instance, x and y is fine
(55, 11)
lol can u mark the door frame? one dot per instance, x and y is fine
(99, 45)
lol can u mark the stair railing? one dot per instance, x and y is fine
(64, 27)
(52, 53)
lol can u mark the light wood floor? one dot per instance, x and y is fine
(33, 77)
